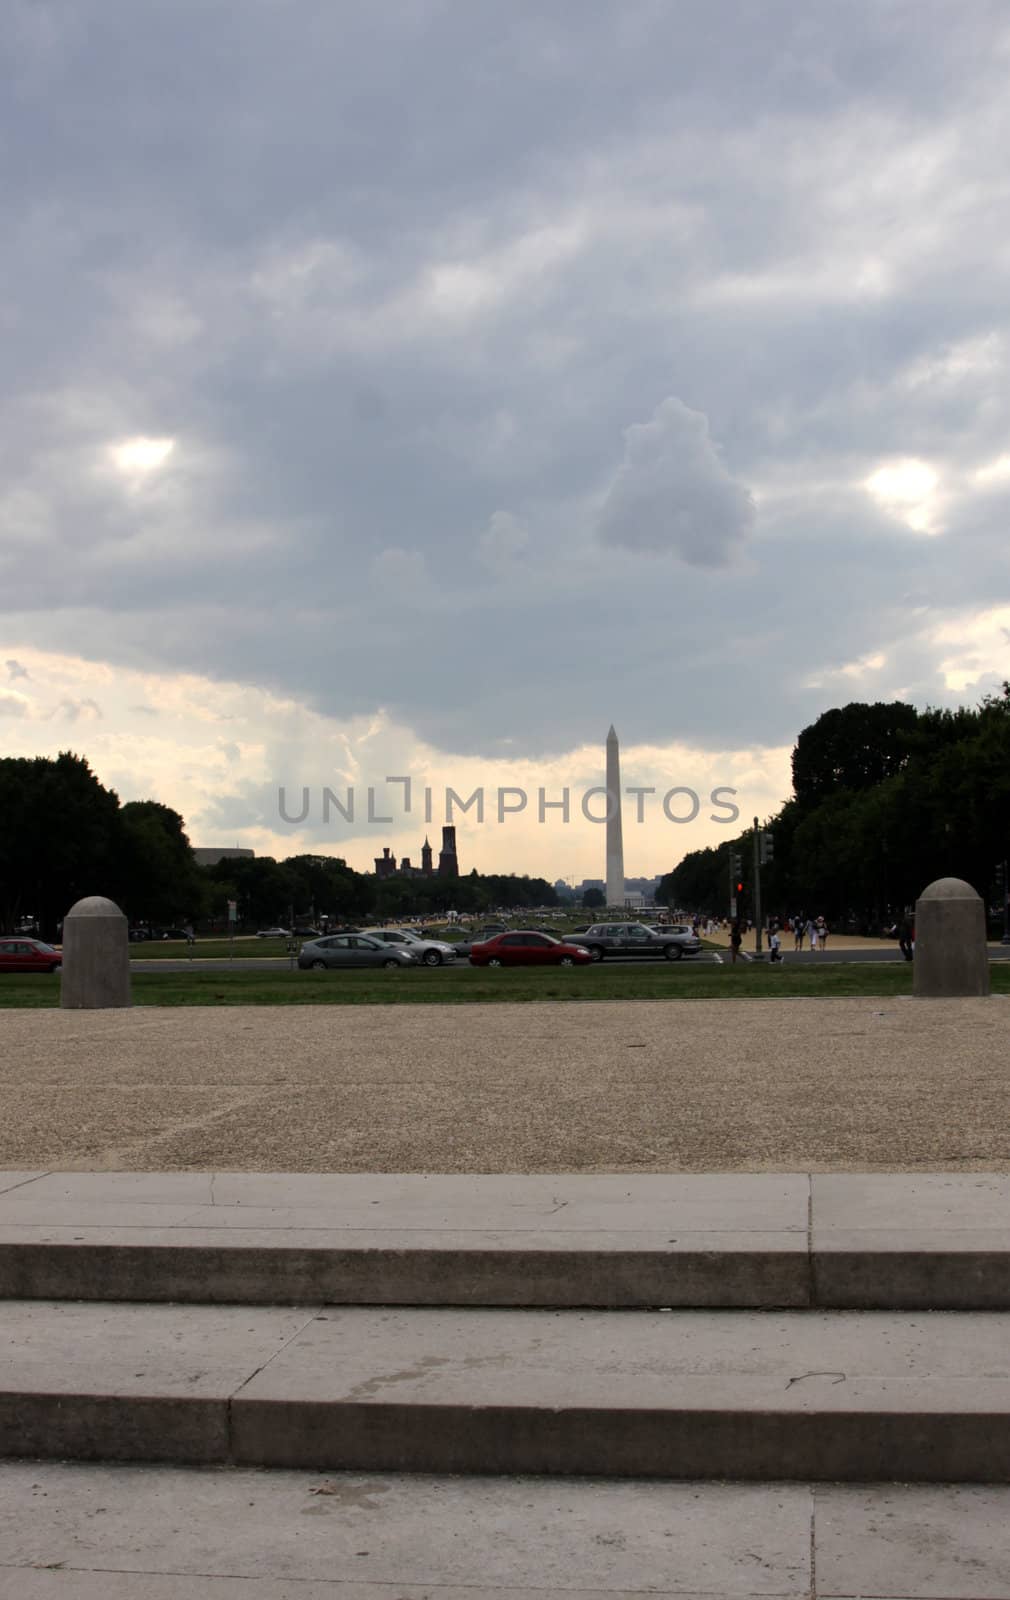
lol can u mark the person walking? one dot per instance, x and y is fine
(798, 926)
(774, 943)
(735, 940)
(905, 937)
(822, 932)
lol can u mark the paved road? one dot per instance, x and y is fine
(803, 958)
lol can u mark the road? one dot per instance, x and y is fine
(803, 958)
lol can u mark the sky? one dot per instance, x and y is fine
(418, 388)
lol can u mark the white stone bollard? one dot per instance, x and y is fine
(96, 956)
(951, 957)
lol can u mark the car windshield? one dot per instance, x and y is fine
(47, 948)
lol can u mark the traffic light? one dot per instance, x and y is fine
(767, 847)
(739, 888)
(735, 863)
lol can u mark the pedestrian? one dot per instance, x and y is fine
(905, 937)
(735, 940)
(798, 926)
(775, 943)
(822, 932)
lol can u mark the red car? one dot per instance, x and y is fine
(28, 955)
(528, 950)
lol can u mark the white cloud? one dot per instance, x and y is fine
(673, 495)
(995, 472)
(976, 650)
(138, 456)
(907, 488)
(503, 541)
(856, 671)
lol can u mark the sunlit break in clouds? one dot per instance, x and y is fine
(137, 457)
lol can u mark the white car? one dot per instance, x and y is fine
(432, 952)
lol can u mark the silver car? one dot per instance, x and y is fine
(433, 952)
(352, 950)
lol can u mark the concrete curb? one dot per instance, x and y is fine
(937, 1279)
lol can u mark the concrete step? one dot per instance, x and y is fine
(79, 1532)
(863, 1241)
(806, 1395)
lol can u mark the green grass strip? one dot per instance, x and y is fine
(437, 986)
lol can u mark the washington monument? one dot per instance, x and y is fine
(615, 835)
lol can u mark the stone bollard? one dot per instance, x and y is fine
(950, 950)
(96, 956)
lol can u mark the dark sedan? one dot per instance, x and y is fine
(28, 955)
(527, 949)
(635, 939)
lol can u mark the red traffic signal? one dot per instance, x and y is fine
(739, 888)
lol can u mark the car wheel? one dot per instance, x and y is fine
(495, 961)
(596, 952)
(673, 952)
(56, 966)
(567, 961)
(432, 958)
(391, 964)
(319, 966)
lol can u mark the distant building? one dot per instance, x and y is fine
(638, 892)
(385, 865)
(448, 862)
(210, 855)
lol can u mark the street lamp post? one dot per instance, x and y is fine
(757, 888)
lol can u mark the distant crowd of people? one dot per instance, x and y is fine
(806, 930)
(812, 931)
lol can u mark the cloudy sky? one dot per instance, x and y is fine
(419, 386)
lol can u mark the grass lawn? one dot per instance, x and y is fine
(678, 982)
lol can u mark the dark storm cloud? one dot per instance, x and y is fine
(410, 289)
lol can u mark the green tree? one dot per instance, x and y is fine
(853, 747)
(60, 837)
(160, 881)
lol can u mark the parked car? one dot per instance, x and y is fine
(433, 952)
(527, 949)
(464, 947)
(274, 933)
(635, 939)
(352, 950)
(172, 933)
(29, 955)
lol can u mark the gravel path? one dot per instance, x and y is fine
(763, 1085)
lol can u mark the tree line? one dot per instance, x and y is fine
(63, 835)
(885, 799)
